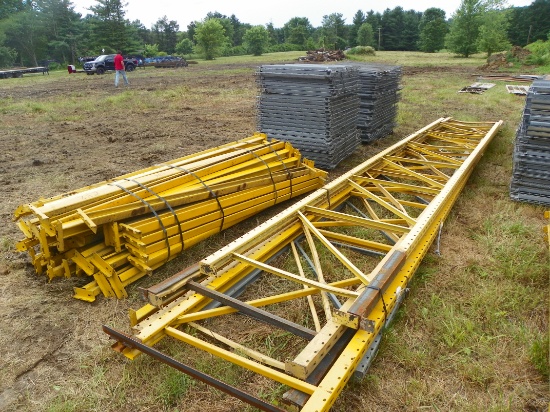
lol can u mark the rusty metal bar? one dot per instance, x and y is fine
(194, 373)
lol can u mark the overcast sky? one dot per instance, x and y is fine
(257, 12)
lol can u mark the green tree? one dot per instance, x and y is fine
(143, 33)
(62, 27)
(365, 35)
(530, 23)
(433, 29)
(24, 33)
(227, 24)
(7, 54)
(297, 31)
(492, 33)
(110, 29)
(374, 19)
(191, 27)
(256, 40)
(358, 19)
(410, 34)
(273, 34)
(10, 7)
(184, 47)
(539, 20)
(150, 50)
(239, 29)
(392, 28)
(333, 31)
(464, 30)
(210, 38)
(165, 34)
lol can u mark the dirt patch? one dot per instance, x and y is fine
(505, 60)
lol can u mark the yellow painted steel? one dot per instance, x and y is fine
(241, 361)
(260, 357)
(361, 238)
(118, 231)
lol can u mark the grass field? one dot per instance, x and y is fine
(471, 336)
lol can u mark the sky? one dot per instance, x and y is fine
(259, 12)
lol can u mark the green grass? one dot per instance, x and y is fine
(419, 59)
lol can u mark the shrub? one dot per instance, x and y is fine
(234, 51)
(361, 51)
(540, 53)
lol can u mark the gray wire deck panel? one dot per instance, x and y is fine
(326, 110)
(314, 107)
(531, 170)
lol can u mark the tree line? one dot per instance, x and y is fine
(36, 31)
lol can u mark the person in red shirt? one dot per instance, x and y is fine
(120, 70)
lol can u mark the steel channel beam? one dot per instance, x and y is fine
(253, 312)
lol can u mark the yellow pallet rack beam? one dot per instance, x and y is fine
(350, 249)
(118, 231)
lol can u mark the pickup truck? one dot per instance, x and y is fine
(107, 62)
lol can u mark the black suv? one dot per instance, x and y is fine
(107, 62)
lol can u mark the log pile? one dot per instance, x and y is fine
(322, 55)
(117, 231)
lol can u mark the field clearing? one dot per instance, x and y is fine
(472, 334)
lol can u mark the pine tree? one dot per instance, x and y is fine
(111, 31)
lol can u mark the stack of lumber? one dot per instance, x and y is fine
(120, 230)
(531, 171)
(314, 107)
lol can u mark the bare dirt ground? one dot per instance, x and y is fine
(52, 344)
(43, 328)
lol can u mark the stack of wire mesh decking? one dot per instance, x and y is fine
(314, 107)
(379, 93)
(531, 171)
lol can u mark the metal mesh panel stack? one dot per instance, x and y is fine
(379, 93)
(531, 172)
(314, 107)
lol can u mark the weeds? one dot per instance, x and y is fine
(538, 355)
(173, 386)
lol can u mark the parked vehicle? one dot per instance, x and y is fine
(107, 62)
(165, 61)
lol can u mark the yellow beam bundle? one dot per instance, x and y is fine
(363, 235)
(119, 230)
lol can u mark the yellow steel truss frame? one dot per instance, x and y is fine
(390, 207)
